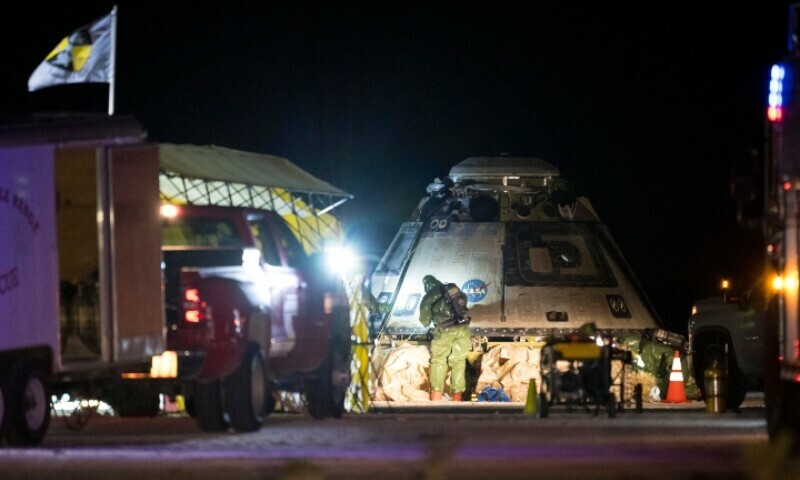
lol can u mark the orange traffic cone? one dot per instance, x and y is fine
(676, 393)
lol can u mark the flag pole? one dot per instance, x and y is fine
(112, 61)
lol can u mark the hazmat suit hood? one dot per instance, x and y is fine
(431, 283)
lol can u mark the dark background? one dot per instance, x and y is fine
(648, 108)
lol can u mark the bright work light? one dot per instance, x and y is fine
(340, 259)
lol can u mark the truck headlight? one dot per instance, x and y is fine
(341, 260)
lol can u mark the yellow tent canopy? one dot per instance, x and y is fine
(212, 175)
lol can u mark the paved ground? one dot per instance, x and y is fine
(753, 400)
(668, 443)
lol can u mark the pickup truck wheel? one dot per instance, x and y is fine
(326, 393)
(737, 381)
(246, 392)
(208, 407)
(27, 404)
(737, 387)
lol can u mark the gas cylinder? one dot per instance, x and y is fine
(715, 387)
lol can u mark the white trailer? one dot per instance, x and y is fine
(80, 278)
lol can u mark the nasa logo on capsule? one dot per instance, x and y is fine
(475, 290)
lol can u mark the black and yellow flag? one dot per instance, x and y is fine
(82, 57)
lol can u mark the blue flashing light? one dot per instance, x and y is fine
(775, 98)
(776, 86)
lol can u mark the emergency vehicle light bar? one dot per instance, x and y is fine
(775, 98)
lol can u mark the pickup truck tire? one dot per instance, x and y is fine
(326, 393)
(208, 406)
(737, 387)
(247, 392)
(27, 404)
(737, 381)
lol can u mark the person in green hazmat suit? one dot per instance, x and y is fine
(450, 343)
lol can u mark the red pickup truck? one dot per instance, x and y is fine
(248, 311)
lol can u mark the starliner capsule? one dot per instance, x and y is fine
(531, 256)
(535, 261)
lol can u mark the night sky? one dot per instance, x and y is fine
(648, 108)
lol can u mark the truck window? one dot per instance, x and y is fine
(295, 255)
(265, 241)
(200, 232)
(757, 293)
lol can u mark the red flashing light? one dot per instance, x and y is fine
(192, 295)
(775, 114)
(787, 186)
(194, 308)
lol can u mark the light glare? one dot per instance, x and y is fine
(251, 258)
(340, 259)
(790, 282)
(169, 211)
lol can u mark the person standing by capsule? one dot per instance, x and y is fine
(451, 339)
